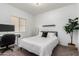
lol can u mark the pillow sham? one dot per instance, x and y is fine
(51, 35)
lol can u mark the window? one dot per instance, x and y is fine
(20, 23)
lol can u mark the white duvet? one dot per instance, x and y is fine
(39, 45)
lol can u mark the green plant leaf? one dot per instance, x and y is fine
(71, 25)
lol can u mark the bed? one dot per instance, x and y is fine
(42, 46)
(44, 43)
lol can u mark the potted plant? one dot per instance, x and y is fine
(70, 27)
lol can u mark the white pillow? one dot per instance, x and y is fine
(51, 35)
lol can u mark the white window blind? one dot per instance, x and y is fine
(20, 23)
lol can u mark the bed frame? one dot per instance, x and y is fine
(53, 25)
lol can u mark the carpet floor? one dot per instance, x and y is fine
(58, 51)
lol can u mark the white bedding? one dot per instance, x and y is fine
(39, 45)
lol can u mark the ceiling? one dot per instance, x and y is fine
(37, 9)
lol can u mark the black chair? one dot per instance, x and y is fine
(6, 40)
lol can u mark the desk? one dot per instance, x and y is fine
(0, 37)
(17, 37)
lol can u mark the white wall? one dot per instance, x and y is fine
(60, 18)
(7, 11)
(78, 20)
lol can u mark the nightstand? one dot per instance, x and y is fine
(17, 38)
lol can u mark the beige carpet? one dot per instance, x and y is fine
(58, 51)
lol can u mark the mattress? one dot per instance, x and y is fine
(39, 45)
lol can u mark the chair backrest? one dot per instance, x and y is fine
(8, 39)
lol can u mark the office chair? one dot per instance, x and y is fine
(6, 40)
